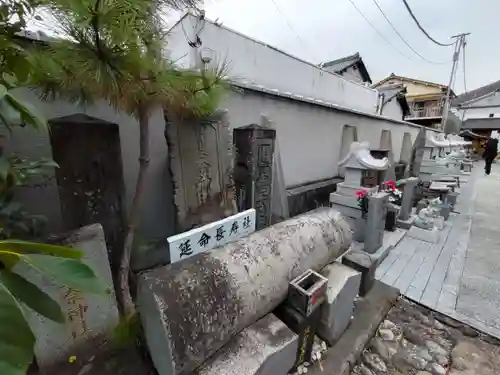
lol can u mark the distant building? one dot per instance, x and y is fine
(350, 67)
(482, 103)
(425, 99)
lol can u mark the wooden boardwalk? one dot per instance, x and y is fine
(439, 275)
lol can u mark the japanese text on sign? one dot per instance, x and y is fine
(212, 235)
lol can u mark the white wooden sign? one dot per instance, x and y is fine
(215, 234)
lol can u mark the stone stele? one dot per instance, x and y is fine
(89, 317)
(190, 309)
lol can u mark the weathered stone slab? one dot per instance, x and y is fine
(408, 198)
(215, 234)
(279, 201)
(88, 316)
(191, 308)
(342, 289)
(253, 176)
(267, 347)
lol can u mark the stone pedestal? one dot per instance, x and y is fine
(343, 287)
(190, 309)
(267, 347)
(431, 235)
(253, 167)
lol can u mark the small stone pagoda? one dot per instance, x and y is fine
(362, 172)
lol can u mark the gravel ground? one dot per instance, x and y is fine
(416, 341)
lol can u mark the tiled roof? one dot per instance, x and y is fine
(482, 123)
(340, 65)
(477, 93)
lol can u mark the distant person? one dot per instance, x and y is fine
(490, 153)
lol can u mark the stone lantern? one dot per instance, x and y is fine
(362, 172)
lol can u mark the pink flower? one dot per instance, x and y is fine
(361, 194)
(391, 185)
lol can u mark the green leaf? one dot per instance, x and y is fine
(70, 272)
(29, 294)
(4, 167)
(16, 338)
(3, 91)
(24, 247)
(27, 115)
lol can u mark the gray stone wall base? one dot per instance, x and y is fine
(337, 310)
(267, 347)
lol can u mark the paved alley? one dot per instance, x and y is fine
(460, 275)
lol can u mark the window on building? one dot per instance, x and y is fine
(492, 115)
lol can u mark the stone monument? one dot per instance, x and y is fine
(253, 167)
(406, 217)
(89, 318)
(362, 172)
(193, 308)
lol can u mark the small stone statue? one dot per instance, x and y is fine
(428, 217)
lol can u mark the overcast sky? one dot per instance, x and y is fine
(322, 30)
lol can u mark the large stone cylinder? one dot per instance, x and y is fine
(191, 308)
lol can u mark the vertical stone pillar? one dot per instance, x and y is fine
(386, 144)
(417, 153)
(408, 197)
(405, 154)
(349, 136)
(375, 222)
(253, 177)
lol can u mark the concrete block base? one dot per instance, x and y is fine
(267, 347)
(431, 236)
(342, 289)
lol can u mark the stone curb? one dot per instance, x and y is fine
(368, 314)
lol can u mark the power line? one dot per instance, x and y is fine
(289, 24)
(378, 32)
(401, 37)
(422, 29)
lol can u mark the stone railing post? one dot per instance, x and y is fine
(375, 222)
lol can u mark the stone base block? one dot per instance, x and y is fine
(405, 224)
(347, 206)
(267, 347)
(432, 235)
(350, 190)
(343, 287)
(362, 262)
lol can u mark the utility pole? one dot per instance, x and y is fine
(459, 43)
